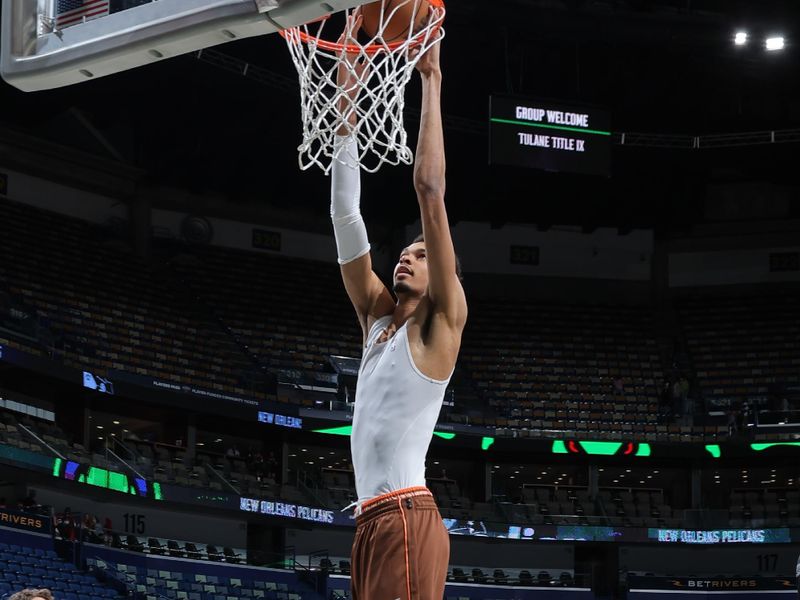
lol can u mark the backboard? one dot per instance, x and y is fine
(52, 43)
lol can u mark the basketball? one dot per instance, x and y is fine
(397, 17)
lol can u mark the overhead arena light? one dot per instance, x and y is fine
(740, 39)
(775, 43)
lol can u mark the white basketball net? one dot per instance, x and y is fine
(373, 90)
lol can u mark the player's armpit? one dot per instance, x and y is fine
(369, 296)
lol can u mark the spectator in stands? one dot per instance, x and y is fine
(744, 417)
(733, 426)
(232, 452)
(33, 594)
(677, 400)
(108, 533)
(665, 397)
(272, 467)
(684, 385)
(87, 528)
(98, 531)
(258, 466)
(30, 504)
(65, 525)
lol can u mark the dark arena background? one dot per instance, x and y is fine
(178, 354)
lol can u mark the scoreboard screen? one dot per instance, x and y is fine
(549, 136)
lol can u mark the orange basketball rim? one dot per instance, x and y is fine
(372, 48)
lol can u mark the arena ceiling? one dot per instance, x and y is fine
(658, 66)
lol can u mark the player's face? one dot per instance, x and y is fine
(411, 270)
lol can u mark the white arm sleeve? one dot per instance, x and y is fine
(348, 226)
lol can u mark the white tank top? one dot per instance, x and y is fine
(396, 410)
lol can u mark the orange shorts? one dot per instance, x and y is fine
(401, 548)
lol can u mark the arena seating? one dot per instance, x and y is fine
(13, 425)
(584, 368)
(291, 313)
(22, 567)
(742, 345)
(764, 508)
(169, 463)
(98, 307)
(216, 317)
(183, 582)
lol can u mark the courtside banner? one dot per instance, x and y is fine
(710, 584)
(26, 521)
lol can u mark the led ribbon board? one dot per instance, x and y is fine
(601, 448)
(104, 478)
(347, 430)
(549, 136)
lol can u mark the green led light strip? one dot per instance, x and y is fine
(760, 447)
(344, 430)
(486, 443)
(600, 448)
(644, 450)
(714, 450)
(57, 467)
(348, 430)
(542, 126)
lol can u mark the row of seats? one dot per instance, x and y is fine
(183, 584)
(177, 549)
(23, 567)
(764, 508)
(743, 345)
(545, 366)
(100, 307)
(499, 577)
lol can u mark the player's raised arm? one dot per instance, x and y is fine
(444, 287)
(369, 296)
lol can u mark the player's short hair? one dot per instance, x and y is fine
(31, 593)
(459, 273)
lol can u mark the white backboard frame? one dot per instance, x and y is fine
(34, 56)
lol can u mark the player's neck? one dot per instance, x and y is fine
(405, 307)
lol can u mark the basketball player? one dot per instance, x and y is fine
(401, 547)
